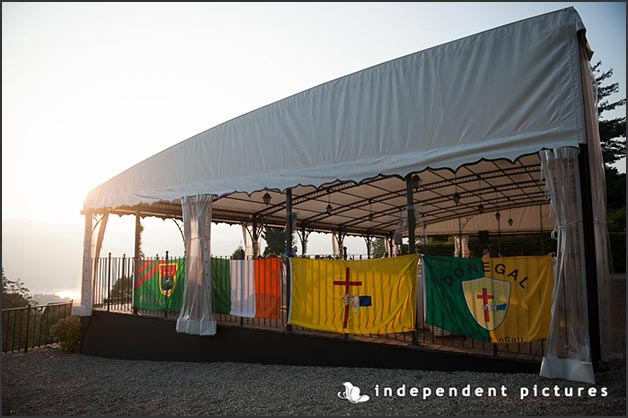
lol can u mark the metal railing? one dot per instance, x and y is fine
(29, 326)
(113, 287)
(113, 291)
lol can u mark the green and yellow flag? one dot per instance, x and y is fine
(358, 297)
(499, 300)
(159, 284)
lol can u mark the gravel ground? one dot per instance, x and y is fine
(48, 381)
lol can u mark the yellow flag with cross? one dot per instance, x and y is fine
(354, 296)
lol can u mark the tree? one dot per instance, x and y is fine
(122, 291)
(615, 199)
(275, 241)
(611, 130)
(613, 140)
(378, 248)
(238, 254)
(14, 293)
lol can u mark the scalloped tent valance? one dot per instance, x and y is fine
(503, 93)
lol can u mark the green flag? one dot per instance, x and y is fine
(221, 283)
(159, 284)
(445, 303)
(499, 300)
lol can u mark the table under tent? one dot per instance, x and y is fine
(494, 133)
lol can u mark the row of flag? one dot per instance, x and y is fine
(248, 288)
(500, 300)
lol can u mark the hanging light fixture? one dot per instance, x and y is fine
(456, 196)
(498, 216)
(480, 206)
(416, 182)
(266, 199)
(370, 210)
(510, 221)
(329, 208)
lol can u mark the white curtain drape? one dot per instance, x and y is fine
(335, 245)
(249, 244)
(568, 349)
(609, 347)
(461, 243)
(196, 311)
(388, 245)
(91, 255)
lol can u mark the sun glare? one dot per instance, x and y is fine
(70, 294)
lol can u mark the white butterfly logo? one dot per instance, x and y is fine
(352, 394)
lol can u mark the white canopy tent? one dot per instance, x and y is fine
(466, 118)
(499, 94)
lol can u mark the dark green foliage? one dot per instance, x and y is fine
(378, 248)
(121, 291)
(275, 242)
(612, 131)
(14, 293)
(238, 254)
(615, 188)
(618, 251)
(616, 199)
(438, 248)
(68, 332)
(516, 245)
(616, 220)
(511, 246)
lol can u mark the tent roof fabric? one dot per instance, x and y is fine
(500, 94)
(377, 207)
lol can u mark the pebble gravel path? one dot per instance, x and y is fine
(47, 381)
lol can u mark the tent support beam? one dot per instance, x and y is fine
(412, 243)
(288, 249)
(542, 239)
(589, 255)
(411, 221)
(138, 251)
(368, 238)
(289, 223)
(87, 295)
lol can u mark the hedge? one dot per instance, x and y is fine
(523, 245)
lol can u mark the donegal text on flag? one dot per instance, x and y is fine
(500, 300)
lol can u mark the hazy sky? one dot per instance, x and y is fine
(90, 89)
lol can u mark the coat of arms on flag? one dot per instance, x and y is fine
(487, 300)
(167, 278)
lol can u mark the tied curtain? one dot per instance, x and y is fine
(568, 349)
(196, 315)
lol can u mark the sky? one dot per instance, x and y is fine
(90, 89)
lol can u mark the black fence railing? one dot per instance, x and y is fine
(113, 287)
(114, 291)
(29, 326)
